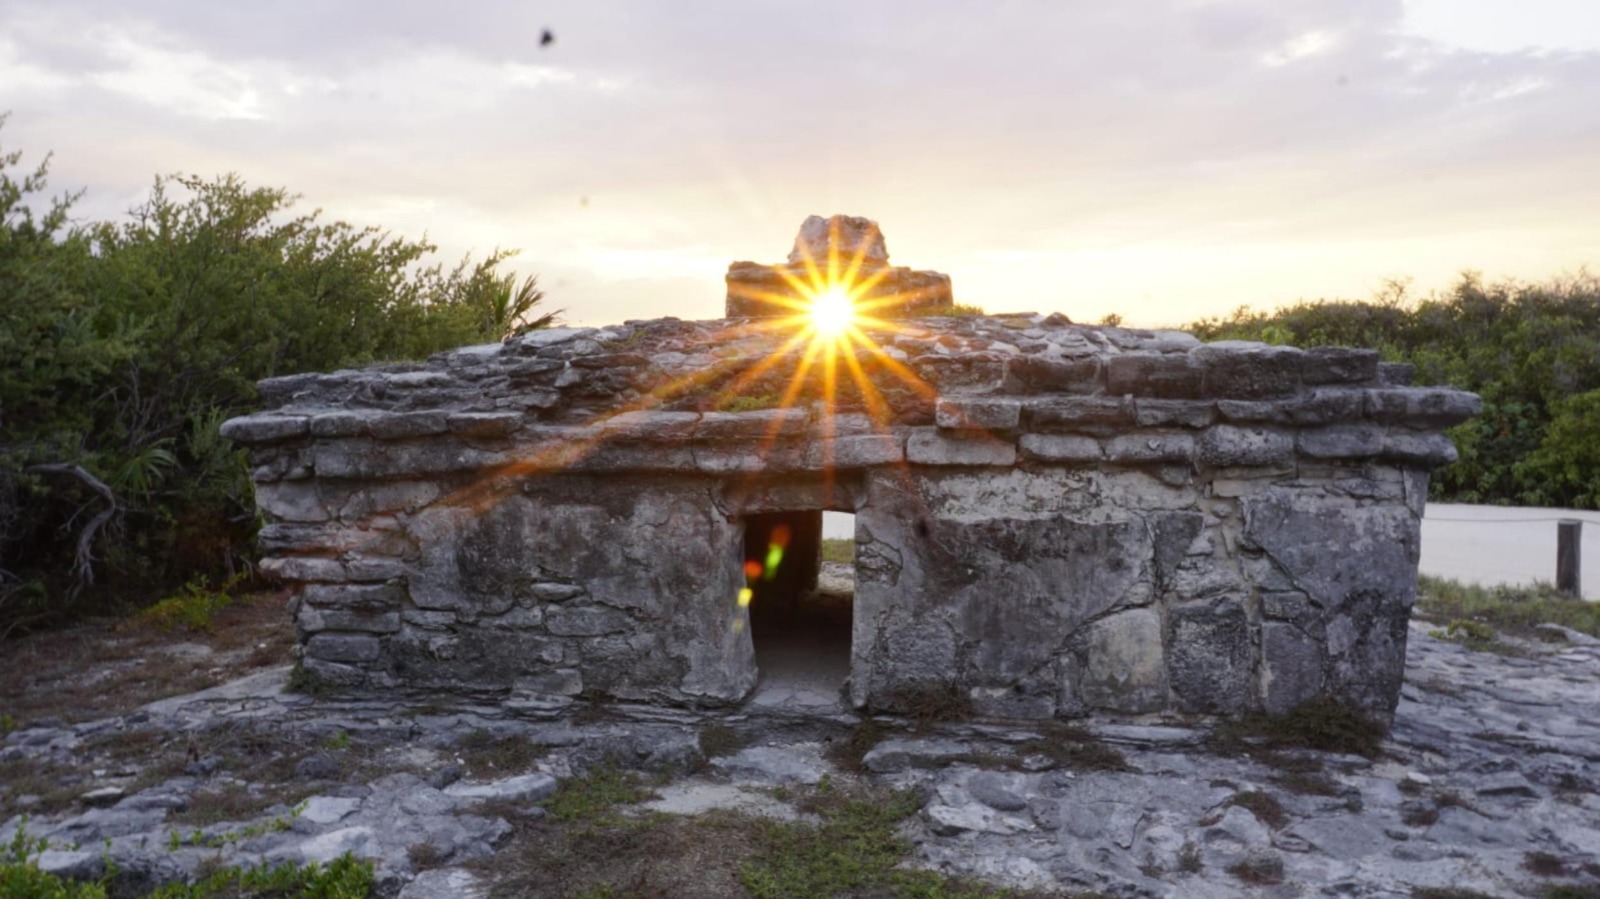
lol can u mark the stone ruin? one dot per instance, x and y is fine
(1051, 520)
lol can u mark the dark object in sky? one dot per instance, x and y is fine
(546, 38)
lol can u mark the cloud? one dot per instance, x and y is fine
(652, 140)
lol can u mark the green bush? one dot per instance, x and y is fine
(128, 343)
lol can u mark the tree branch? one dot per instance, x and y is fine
(83, 557)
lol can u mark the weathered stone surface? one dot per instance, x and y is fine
(842, 237)
(1052, 519)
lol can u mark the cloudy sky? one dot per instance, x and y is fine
(1162, 159)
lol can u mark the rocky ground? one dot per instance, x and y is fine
(1487, 785)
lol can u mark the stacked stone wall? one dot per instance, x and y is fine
(1054, 520)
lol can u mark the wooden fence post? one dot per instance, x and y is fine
(1569, 573)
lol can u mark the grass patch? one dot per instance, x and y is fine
(1511, 610)
(839, 549)
(928, 704)
(750, 403)
(847, 754)
(1258, 869)
(1190, 860)
(594, 796)
(1322, 724)
(1309, 784)
(485, 755)
(1075, 749)
(718, 739)
(957, 310)
(194, 606)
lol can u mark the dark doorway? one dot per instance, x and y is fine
(801, 607)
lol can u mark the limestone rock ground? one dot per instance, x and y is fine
(1488, 783)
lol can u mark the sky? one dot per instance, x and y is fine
(1163, 160)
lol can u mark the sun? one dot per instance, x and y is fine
(833, 312)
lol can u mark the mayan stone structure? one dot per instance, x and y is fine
(1050, 519)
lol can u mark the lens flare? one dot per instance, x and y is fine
(833, 312)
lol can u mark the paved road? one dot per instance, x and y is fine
(1504, 544)
(1474, 544)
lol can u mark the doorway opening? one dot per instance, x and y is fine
(799, 569)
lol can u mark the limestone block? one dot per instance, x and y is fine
(1338, 365)
(1229, 445)
(971, 373)
(1172, 534)
(350, 648)
(1244, 370)
(841, 237)
(755, 424)
(928, 447)
(1315, 538)
(968, 413)
(312, 619)
(354, 597)
(1422, 407)
(303, 568)
(1083, 414)
(650, 424)
(555, 682)
(258, 429)
(586, 621)
(1167, 376)
(483, 424)
(1342, 441)
(1150, 447)
(854, 452)
(1068, 448)
(1208, 653)
(1291, 667)
(403, 425)
(1421, 450)
(342, 422)
(1148, 413)
(1055, 375)
(1123, 667)
(294, 501)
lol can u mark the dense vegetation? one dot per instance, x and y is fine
(1532, 351)
(123, 345)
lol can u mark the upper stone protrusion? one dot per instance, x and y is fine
(844, 235)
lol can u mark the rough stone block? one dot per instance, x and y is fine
(967, 374)
(854, 452)
(312, 619)
(757, 424)
(1150, 413)
(1087, 414)
(350, 648)
(1123, 667)
(969, 413)
(369, 597)
(1291, 667)
(256, 429)
(1208, 653)
(556, 682)
(1227, 445)
(1150, 448)
(1422, 407)
(1055, 375)
(1338, 365)
(1422, 450)
(1342, 442)
(649, 424)
(404, 425)
(586, 621)
(1243, 370)
(926, 447)
(1168, 376)
(294, 501)
(303, 568)
(1069, 448)
(484, 424)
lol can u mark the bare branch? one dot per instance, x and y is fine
(83, 557)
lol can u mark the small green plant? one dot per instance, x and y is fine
(7, 724)
(337, 741)
(928, 703)
(593, 796)
(305, 683)
(20, 875)
(751, 403)
(1189, 860)
(193, 606)
(1469, 633)
(1505, 609)
(1309, 784)
(1075, 749)
(849, 752)
(343, 878)
(958, 310)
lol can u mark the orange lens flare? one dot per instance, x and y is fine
(833, 312)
